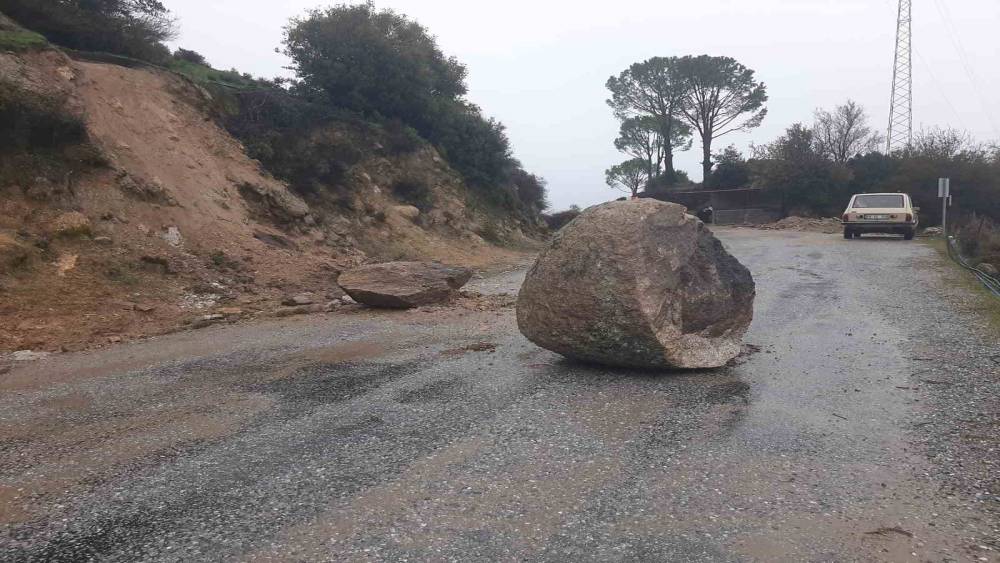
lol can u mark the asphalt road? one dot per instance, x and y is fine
(861, 425)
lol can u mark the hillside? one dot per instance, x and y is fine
(153, 216)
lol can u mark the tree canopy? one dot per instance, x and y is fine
(653, 91)
(721, 96)
(383, 65)
(374, 62)
(628, 176)
(134, 28)
(844, 133)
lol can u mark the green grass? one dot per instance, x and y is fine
(203, 74)
(21, 41)
(985, 302)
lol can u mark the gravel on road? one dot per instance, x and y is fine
(860, 424)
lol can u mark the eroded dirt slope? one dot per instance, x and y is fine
(178, 222)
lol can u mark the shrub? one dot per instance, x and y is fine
(134, 28)
(476, 147)
(414, 192)
(530, 189)
(558, 220)
(373, 62)
(190, 56)
(40, 138)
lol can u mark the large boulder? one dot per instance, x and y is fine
(637, 284)
(403, 285)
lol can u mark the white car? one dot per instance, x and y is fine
(880, 213)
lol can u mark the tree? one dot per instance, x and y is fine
(628, 176)
(374, 62)
(801, 177)
(844, 133)
(731, 170)
(135, 28)
(652, 89)
(190, 56)
(639, 137)
(721, 96)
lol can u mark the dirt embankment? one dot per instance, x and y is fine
(178, 223)
(829, 225)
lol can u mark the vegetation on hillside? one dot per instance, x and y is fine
(374, 73)
(133, 28)
(386, 67)
(40, 139)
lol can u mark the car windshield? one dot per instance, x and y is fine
(894, 201)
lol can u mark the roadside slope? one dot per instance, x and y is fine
(174, 220)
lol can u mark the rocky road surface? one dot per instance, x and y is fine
(861, 425)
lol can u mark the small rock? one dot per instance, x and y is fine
(334, 305)
(300, 299)
(65, 263)
(206, 320)
(104, 241)
(173, 236)
(408, 212)
(70, 224)
(299, 310)
(144, 308)
(348, 300)
(230, 311)
(157, 262)
(28, 356)
(114, 339)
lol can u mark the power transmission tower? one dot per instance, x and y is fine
(901, 108)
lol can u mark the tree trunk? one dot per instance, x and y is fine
(668, 150)
(668, 161)
(706, 164)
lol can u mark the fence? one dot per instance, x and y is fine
(756, 216)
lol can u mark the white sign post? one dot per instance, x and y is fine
(944, 192)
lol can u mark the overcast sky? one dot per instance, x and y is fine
(540, 66)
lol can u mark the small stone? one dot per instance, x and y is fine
(348, 300)
(28, 356)
(300, 299)
(173, 236)
(114, 339)
(104, 241)
(230, 311)
(65, 263)
(299, 310)
(144, 308)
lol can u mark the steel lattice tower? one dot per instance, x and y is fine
(901, 108)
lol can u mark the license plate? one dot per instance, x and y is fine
(876, 217)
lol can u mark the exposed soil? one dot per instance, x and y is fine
(829, 225)
(182, 224)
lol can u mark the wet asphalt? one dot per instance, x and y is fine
(444, 435)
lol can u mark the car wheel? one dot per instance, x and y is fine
(848, 234)
(908, 235)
